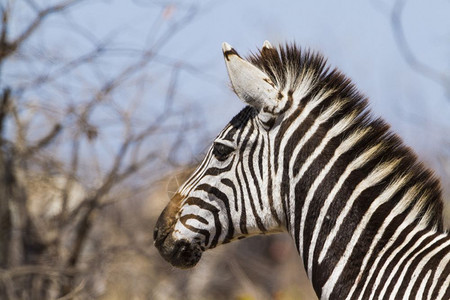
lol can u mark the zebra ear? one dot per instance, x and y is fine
(250, 84)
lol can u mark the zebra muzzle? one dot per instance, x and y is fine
(179, 253)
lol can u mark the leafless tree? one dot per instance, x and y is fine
(441, 78)
(73, 137)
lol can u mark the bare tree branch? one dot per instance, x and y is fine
(43, 142)
(9, 48)
(64, 69)
(4, 31)
(72, 294)
(407, 53)
(36, 269)
(4, 110)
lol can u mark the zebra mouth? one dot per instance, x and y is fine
(180, 253)
(185, 255)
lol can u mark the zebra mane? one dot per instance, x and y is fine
(289, 66)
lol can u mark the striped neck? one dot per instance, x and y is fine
(346, 183)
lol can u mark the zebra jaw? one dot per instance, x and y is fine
(249, 83)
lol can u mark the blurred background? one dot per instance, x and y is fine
(105, 107)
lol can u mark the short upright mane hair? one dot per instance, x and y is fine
(288, 66)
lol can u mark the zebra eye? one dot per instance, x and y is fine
(222, 151)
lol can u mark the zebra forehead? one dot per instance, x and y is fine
(242, 117)
(238, 122)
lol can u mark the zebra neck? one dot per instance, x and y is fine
(346, 187)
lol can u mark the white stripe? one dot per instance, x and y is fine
(421, 290)
(411, 217)
(399, 208)
(380, 172)
(396, 288)
(422, 263)
(303, 89)
(444, 288)
(185, 189)
(342, 148)
(299, 94)
(336, 130)
(296, 123)
(333, 132)
(444, 262)
(385, 196)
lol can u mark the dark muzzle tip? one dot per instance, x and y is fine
(185, 254)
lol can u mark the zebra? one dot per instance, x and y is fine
(306, 156)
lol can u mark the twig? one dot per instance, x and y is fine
(43, 142)
(407, 53)
(74, 292)
(34, 25)
(4, 110)
(36, 269)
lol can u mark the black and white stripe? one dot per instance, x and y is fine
(306, 156)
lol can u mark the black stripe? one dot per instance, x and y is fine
(217, 171)
(418, 258)
(214, 210)
(230, 184)
(261, 161)
(444, 275)
(243, 218)
(229, 53)
(364, 242)
(396, 260)
(270, 188)
(203, 232)
(222, 197)
(387, 235)
(431, 265)
(250, 164)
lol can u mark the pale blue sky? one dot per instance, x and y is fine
(355, 36)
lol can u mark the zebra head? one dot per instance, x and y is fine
(229, 196)
(306, 156)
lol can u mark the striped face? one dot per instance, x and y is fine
(229, 196)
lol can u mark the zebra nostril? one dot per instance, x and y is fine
(155, 233)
